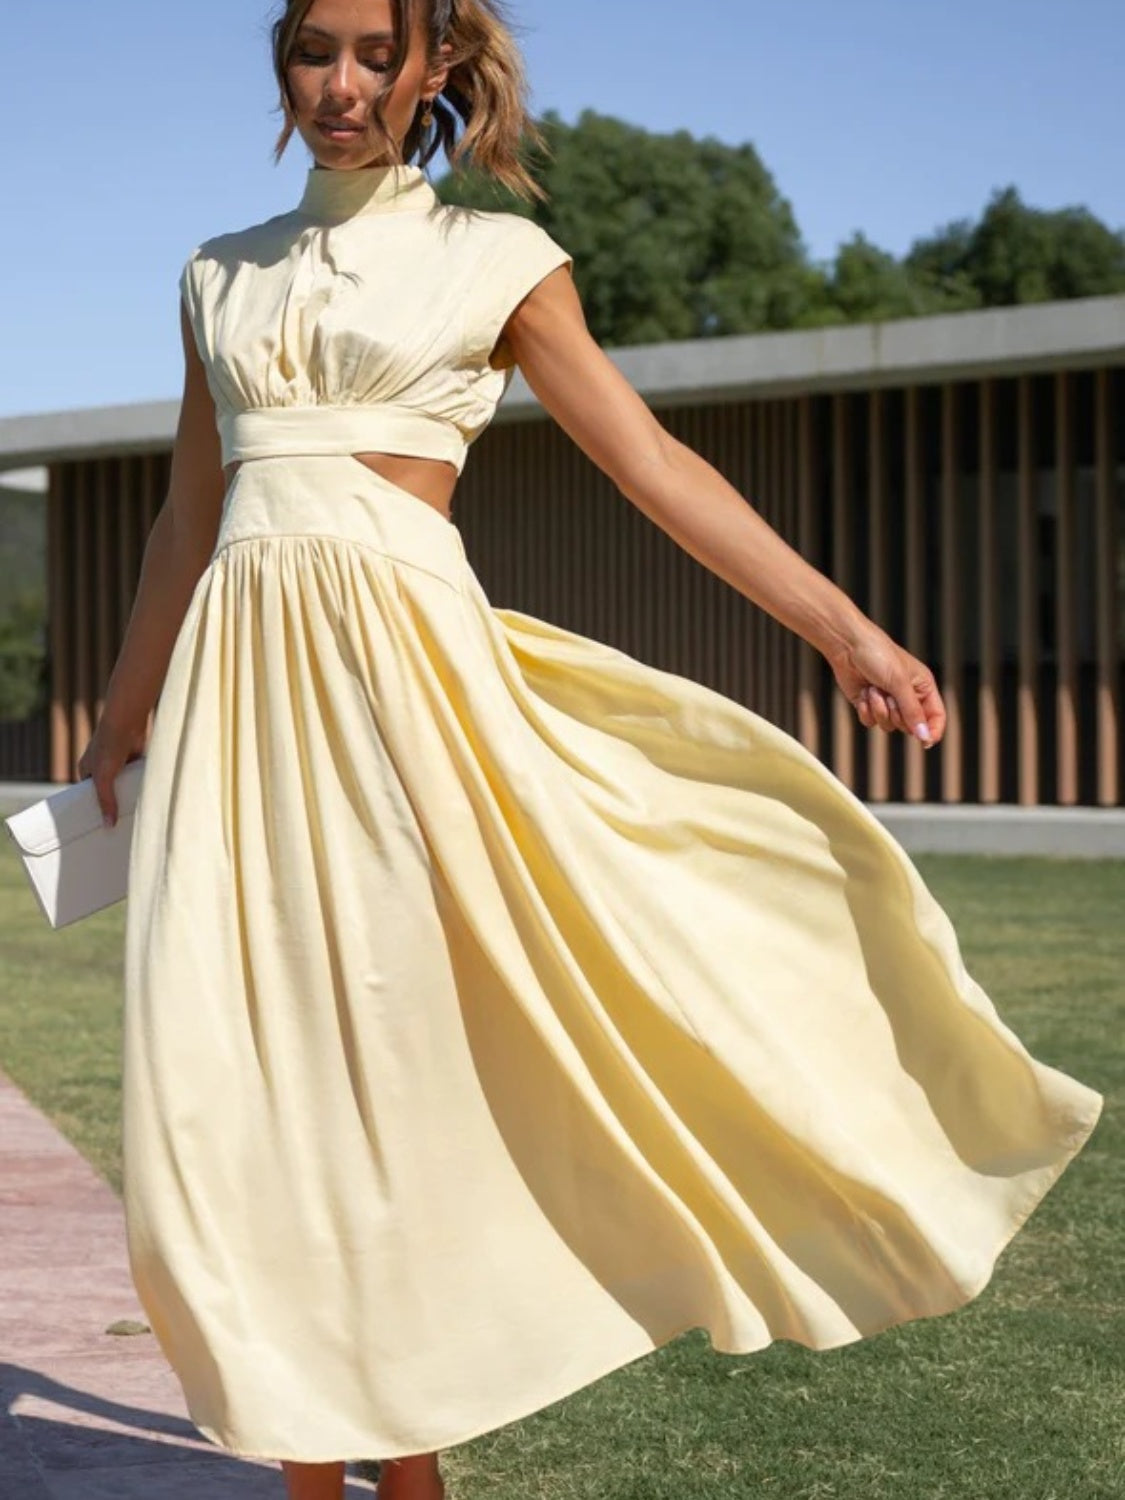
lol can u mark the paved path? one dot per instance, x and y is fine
(87, 1415)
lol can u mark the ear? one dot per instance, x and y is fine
(438, 77)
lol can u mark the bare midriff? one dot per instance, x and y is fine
(431, 480)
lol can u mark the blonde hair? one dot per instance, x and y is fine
(486, 88)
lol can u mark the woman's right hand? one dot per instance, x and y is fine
(103, 759)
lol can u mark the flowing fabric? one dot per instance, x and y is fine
(500, 1007)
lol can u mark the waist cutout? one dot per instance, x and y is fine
(277, 431)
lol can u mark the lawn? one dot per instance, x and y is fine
(1020, 1396)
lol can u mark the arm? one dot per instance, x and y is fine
(688, 498)
(178, 548)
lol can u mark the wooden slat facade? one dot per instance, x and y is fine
(982, 523)
(99, 513)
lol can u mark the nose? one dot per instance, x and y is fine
(341, 82)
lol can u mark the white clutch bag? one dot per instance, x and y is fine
(75, 864)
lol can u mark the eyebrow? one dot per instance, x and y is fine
(370, 36)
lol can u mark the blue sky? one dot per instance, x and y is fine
(134, 129)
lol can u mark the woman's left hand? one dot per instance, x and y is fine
(888, 688)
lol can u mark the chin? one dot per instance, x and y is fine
(343, 158)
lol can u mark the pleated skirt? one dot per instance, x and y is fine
(498, 1007)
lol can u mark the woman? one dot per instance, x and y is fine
(497, 1007)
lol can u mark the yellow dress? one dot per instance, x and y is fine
(498, 1007)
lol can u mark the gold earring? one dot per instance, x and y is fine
(427, 114)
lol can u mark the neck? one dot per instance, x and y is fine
(365, 166)
(333, 194)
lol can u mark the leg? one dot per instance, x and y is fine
(314, 1481)
(414, 1478)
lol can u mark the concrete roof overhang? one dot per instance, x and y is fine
(910, 351)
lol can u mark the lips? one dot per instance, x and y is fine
(349, 125)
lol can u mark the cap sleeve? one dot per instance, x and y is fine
(524, 256)
(189, 291)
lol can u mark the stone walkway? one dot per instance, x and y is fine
(86, 1414)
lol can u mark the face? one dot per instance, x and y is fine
(336, 72)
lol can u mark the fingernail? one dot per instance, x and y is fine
(107, 821)
(923, 732)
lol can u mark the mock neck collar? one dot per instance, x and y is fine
(332, 195)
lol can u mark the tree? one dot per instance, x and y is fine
(939, 265)
(679, 238)
(869, 284)
(23, 654)
(673, 237)
(1019, 254)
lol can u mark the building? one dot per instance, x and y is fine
(962, 477)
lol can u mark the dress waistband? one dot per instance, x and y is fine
(276, 431)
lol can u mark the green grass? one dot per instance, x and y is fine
(1019, 1396)
(60, 1015)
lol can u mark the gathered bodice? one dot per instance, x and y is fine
(363, 320)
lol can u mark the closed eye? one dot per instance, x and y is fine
(317, 60)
